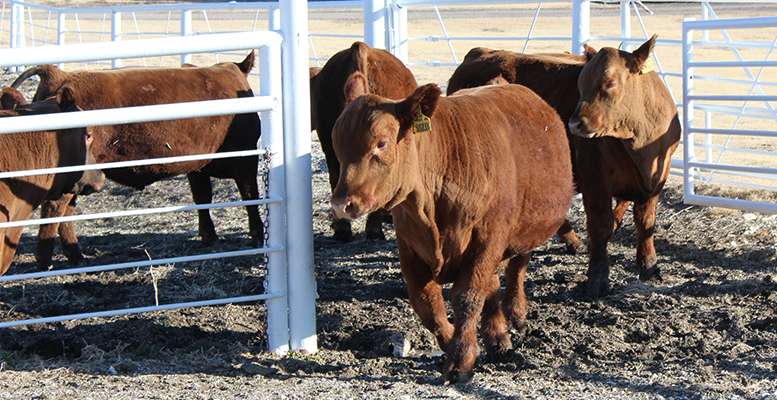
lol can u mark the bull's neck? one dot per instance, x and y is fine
(648, 109)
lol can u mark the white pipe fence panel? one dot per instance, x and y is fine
(288, 214)
(697, 172)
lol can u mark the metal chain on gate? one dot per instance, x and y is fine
(266, 162)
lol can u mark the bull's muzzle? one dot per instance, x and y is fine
(348, 207)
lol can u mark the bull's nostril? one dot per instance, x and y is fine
(349, 207)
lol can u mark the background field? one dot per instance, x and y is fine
(708, 330)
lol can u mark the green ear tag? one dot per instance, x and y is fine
(422, 123)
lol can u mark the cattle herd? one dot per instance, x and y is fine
(480, 176)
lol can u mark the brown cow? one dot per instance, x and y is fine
(552, 76)
(145, 86)
(627, 129)
(387, 77)
(27, 151)
(471, 180)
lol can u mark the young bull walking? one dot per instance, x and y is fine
(471, 180)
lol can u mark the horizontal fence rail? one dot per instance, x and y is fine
(269, 102)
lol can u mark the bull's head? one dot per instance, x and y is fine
(91, 181)
(609, 91)
(374, 139)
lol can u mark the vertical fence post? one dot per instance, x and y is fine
(274, 19)
(17, 25)
(626, 24)
(705, 15)
(688, 113)
(186, 30)
(707, 136)
(581, 24)
(374, 23)
(116, 34)
(61, 32)
(299, 191)
(272, 140)
(396, 34)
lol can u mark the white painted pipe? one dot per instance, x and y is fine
(83, 52)
(138, 212)
(131, 163)
(581, 24)
(115, 35)
(140, 264)
(299, 191)
(139, 310)
(374, 23)
(272, 140)
(129, 115)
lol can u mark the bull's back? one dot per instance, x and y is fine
(140, 87)
(528, 156)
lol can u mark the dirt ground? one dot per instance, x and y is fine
(708, 330)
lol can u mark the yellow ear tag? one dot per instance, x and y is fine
(422, 123)
(648, 66)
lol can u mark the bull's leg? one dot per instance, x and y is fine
(493, 324)
(47, 233)
(10, 243)
(425, 296)
(68, 238)
(249, 190)
(202, 193)
(515, 304)
(567, 235)
(620, 210)
(468, 297)
(599, 221)
(374, 228)
(645, 220)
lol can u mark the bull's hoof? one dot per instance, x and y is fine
(650, 274)
(376, 235)
(257, 242)
(575, 248)
(343, 236)
(455, 376)
(208, 241)
(43, 267)
(521, 326)
(597, 287)
(73, 254)
(499, 352)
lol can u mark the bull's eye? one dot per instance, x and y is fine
(381, 145)
(609, 84)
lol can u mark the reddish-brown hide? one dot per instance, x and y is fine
(27, 151)
(386, 76)
(626, 130)
(552, 76)
(145, 86)
(490, 181)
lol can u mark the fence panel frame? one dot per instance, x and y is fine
(278, 84)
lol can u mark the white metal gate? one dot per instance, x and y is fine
(283, 101)
(754, 102)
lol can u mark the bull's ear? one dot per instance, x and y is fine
(642, 54)
(498, 80)
(11, 99)
(360, 53)
(588, 51)
(416, 110)
(356, 85)
(66, 98)
(475, 53)
(248, 63)
(314, 71)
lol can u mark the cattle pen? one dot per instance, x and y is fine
(175, 320)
